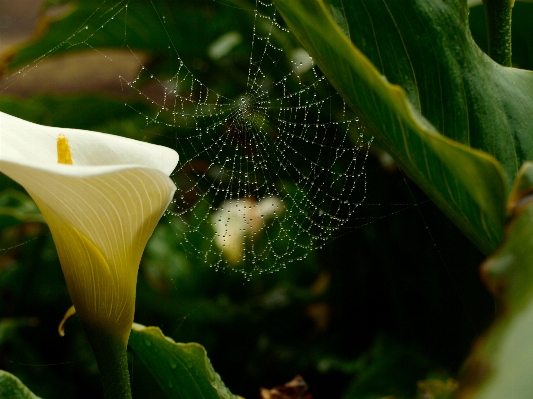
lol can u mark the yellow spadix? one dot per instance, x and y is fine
(64, 155)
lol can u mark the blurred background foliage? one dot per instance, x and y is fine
(396, 298)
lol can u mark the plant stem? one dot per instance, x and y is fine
(112, 359)
(499, 13)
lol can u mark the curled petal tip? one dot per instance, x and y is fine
(70, 312)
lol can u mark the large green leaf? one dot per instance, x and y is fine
(12, 388)
(500, 365)
(413, 72)
(182, 370)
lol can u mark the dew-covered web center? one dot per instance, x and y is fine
(272, 163)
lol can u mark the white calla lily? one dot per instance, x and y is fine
(101, 210)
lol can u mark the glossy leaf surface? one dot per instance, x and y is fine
(182, 370)
(12, 388)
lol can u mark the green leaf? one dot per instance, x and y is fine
(500, 364)
(12, 388)
(182, 370)
(431, 97)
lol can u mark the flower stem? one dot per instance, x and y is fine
(112, 359)
(499, 13)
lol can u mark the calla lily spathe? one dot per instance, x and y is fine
(101, 210)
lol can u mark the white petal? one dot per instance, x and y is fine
(35, 145)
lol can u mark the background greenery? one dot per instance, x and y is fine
(386, 304)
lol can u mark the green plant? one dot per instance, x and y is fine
(456, 121)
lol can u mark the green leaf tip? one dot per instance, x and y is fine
(183, 371)
(12, 388)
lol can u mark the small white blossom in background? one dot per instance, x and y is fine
(302, 61)
(240, 219)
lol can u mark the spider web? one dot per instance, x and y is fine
(274, 168)
(267, 174)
